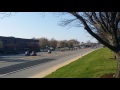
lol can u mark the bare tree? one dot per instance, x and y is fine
(65, 44)
(70, 44)
(53, 43)
(62, 44)
(58, 44)
(43, 43)
(89, 43)
(104, 26)
(6, 14)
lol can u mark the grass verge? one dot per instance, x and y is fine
(93, 65)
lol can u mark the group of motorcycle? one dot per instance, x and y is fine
(28, 53)
(33, 53)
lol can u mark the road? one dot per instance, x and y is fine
(20, 66)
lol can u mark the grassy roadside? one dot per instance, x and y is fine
(93, 65)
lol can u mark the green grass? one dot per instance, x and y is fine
(93, 65)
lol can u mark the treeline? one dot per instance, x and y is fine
(44, 43)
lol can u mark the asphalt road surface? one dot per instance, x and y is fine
(20, 66)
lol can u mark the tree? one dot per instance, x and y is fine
(89, 43)
(53, 43)
(104, 26)
(73, 43)
(62, 44)
(43, 43)
(6, 14)
(70, 44)
(58, 44)
(65, 43)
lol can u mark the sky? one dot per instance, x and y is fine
(41, 24)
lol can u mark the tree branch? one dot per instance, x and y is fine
(5, 14)
(92, 33)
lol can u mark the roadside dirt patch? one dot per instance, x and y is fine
(107, 76)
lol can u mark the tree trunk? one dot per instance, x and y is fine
(114, 55)
(117, 74)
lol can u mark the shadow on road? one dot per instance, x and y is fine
(9, 60)
(16, 67)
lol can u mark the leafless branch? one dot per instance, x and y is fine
(5, 14)
(67, 22)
